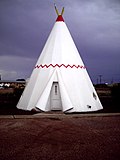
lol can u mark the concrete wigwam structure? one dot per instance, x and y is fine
(60, 80)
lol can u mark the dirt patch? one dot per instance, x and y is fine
(65, 139)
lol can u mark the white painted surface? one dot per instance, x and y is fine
(75, 86)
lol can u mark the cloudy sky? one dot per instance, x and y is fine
(93, 24)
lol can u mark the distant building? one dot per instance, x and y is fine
(12, 84)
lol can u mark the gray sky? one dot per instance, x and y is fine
(94, 25)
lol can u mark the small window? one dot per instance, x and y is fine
(55, 90)
(89, 106)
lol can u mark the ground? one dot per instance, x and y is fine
(60, 138)
(83, 136)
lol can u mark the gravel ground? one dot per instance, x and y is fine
(86, 138)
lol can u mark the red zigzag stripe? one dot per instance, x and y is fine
(57, 65)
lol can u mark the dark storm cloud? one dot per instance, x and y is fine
(26, 24)
(22, 25)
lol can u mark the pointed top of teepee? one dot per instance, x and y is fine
(59, 18)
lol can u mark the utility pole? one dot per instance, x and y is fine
(100, 76)
(97, 80)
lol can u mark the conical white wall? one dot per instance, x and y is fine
(60, 62)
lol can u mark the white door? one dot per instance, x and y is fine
(55, 97)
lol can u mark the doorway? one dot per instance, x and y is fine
(55, 98)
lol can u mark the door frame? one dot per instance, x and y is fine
(55, 97)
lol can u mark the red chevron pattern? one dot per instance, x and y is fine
(57, 65)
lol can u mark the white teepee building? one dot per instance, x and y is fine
(59, 80)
